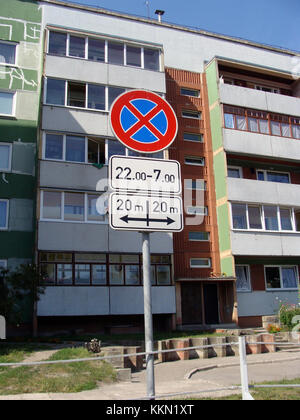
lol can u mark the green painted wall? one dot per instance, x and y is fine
(220, 170)
(20, 23)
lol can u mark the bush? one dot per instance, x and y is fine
(286, 315)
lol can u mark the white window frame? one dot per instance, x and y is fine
(16, 45)
(106, 40)
(239, 168)
(262, 215)
(200, 159)
(248, 277)
(202, 212)
(194, 115)
(295, 267)
(7, 213)
(199, 182)
(208, 265)
(266, 171)
(62, 205)
(13, 111)
(9, 159)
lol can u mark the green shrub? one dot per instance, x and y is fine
(287, 313)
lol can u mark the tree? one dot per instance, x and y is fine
(26, 283)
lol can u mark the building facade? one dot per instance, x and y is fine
(237, 105)
(20, 74)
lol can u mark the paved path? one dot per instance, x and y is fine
(172, 378)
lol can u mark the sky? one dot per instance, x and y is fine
(271, 22)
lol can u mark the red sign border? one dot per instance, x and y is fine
(164, 142)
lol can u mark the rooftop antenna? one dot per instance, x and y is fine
(159, 13)
(147, 3)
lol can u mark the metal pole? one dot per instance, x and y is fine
(148, 316)
(244, 370)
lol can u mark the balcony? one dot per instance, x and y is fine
(84, 301)
(104, 74)
(247, 143)
(265, 243)
(263, 192)
(264, 101)
(67, 175)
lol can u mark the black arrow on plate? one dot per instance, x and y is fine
(127, 219)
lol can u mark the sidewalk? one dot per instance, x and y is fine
(189, 376)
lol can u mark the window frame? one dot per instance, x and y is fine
(107, 263)
(262, 215)
(9, 169)
(200, 135)
(14, 100)
(16, 45)
(62, 208)
(193, 115)
(106, 41)
(199, 240)
(200, 266)
(266, 171)
(197, 91)
(200, 159)
(239, 168)
(248, 278)
(295, 267)
(4, 200)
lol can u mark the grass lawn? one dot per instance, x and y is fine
(67, 377)
(270, 394)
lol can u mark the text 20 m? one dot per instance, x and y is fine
(157, 206)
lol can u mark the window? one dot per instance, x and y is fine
(55, 93)
(115, 53)
(199, 236)
(272, 176)
(96, 50)
(7, 103)
(194, 160)
(197, 210)
(191, 114)
(5, 157)
(84, 269)
(267, 218)
(70, 207)
(239, 216)
(81, 95)
(200, 262)
(190, 92)
(133, 56)
(234, 172)
(261, 122)
(151, 59)
(193, 137)
(7, 53)
(281, 277)
(3, 264)
(76, 94)
(243, 282)
(75, 149)
(3, 214)
(77, 46)
(101, 50)
(57, 43)
(254, 216)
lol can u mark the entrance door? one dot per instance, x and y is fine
(191, 307)
(211, 307)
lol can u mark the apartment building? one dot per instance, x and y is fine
(255, 113)
(20, 72)
(237, 105)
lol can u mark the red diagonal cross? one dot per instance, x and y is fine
(144, 120)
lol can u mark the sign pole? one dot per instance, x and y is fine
(148, 315)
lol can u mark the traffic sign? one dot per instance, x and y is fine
(143, 121)
(144, 175)
(144, 213)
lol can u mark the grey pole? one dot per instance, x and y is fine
(148, 315)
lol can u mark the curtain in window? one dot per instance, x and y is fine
(241, 122)
(229, 121)
(3, 210)
(243, 281)
(289, 279)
